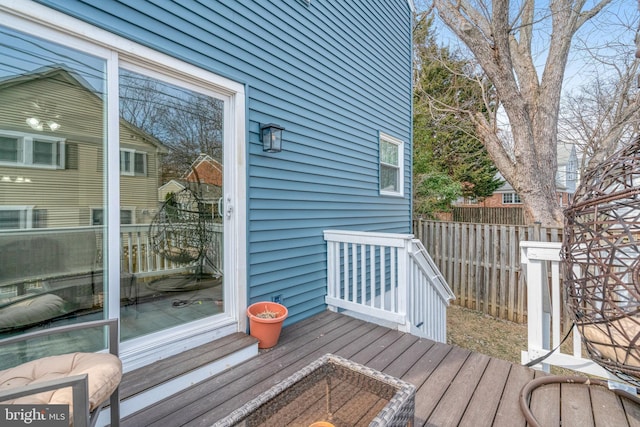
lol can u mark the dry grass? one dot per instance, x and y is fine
(484, 334)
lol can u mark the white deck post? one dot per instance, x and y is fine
(537, 319)
(403, 284)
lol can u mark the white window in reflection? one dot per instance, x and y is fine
(22, 149)
(133, 162)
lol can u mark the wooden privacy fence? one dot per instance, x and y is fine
(481, 263)
(512, 215)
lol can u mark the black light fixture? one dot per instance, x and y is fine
(271, 137)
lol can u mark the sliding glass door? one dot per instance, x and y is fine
(115, 197)
(171, 187)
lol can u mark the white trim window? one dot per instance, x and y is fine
(127, 216)
(28, 150)
(511, 199)
(391, 166)
(133, 162)
(16, 217)
(467, 201)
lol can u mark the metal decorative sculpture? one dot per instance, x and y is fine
(601, 256)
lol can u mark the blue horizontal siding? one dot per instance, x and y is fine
(334, 74)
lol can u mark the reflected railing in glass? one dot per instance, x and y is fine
(56, 274)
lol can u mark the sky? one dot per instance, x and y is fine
(608, 36)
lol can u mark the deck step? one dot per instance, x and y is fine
(145, 386)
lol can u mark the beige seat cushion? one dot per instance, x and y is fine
(104, 370)
(31, 310)
(616, 340)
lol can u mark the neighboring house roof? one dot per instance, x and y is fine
(60, 71)
(206, 192)
(205, 169)
(176, 183)
(508, 188)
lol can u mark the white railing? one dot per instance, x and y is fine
(138, 257)
(81, 248)
(541, 266)
(387, 277)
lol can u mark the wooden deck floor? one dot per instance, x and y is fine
(454, 386)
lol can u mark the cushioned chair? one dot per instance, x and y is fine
(84, 381)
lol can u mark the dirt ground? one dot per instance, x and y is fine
(482, 333)
(497, 338)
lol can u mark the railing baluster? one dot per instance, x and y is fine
(354, 274)
(556, 302)
(393, 272)
(372, 275)
(383, 276)
(344, 292)
(363, 272)
(330, 269)
(139, 251)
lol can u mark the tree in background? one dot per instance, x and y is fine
(505, 38)
(433, 193)
(186, 122)
(449, 159)
(603, 114)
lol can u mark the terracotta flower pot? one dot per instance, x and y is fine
(266, 330)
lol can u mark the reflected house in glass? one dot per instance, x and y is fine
(34, 159)
(191, 213)
(186, 231)
(52, 164)
(205, 177)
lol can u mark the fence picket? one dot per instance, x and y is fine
(470, 254)
(485, 291)
(477, 274)
(463, 267)
(457, 271)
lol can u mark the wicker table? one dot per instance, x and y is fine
(333, 390)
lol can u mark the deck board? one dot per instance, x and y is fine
(509, 413)
(632, 412)
(403, 364)
(607, 408)
(289, 362)
(455, 400)
(232, 388)
(486, 397)
(454, 386)
(433, 389)
(545, 404)
(576, 410)
(142, 379)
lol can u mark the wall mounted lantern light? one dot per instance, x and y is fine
(271, 137)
